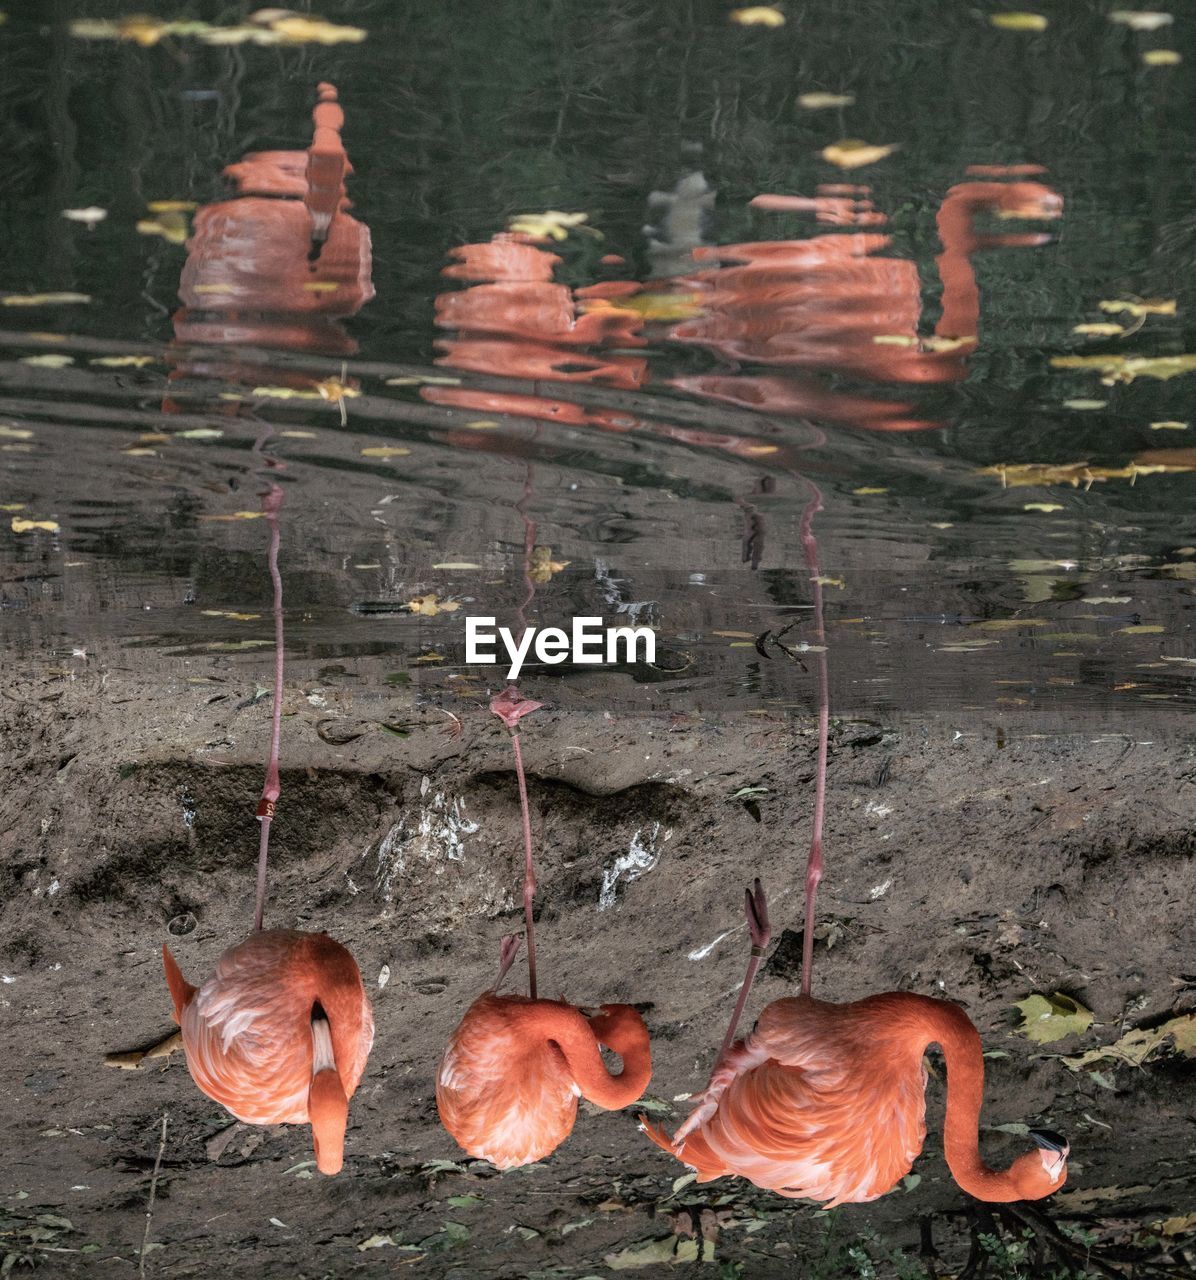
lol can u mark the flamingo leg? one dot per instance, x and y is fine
(814, 861)
(756, 909)
(507, 951)
(529, 874)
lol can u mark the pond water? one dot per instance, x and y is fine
(625, 417)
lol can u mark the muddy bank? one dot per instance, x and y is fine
(956, 866)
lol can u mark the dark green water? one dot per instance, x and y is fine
(1048, 606)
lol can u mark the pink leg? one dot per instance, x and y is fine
(814, 861)
(756, 908)
(529, 874)
(507, 951)
(271, 505)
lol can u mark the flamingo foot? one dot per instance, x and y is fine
(508, 949)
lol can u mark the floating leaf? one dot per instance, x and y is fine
(868, 491)
(1140, 306)
(385, 451)
(201, 433)
(89, 217)
(425, 380)
(1046, 1019)
(758, 15)
(1169, 426)
(852, 153)
(430, 605)
(172, 227)
(51, 360)
(29, 526)
(43, 299)
(482, 424)
(1141, 20)
(122, 362)
(228, 613)
(550, 225)
(1104, 329)
(1085, 404)
(542, 567)
(1018, 21)
(651, 306)
(14, 433)
(457, 564)
(1045, 507)
(237, 515)
(1162, 58)
(171, 206)
(824, 101)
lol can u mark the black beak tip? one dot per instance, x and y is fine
(1048, 1140)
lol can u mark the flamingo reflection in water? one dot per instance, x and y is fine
(281, 265)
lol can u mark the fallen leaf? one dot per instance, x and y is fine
(29, 526)
(430, 605)
(651, 306)
(759, 15)
(824, 581)
(122, 362)
(428, 657)
(43, 299)
(376, 1241)
(1018, 21)
(1045, 507)
(89, 217)
(385, 451)
(237, 515)
(1169, 426)
(672, 1249)
(228, 613)
(201, 433)
(852, 153)
(1136, 1046)
(542, 567)
(1046, 1019)
(1146, 629)
(867, 491)
(1104, 329)
(823, 101)
(1177, 1226)
(171, 206)
(482, 424)
(1085, 404)
(467, 1201)
(1141, 20)
(1162, 58)
(14, 433)
(550, 225)
(1140, 306)
(457, 564)
(426, 380)
(51, 360)
(172, 227)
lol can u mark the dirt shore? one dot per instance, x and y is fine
(957, 866)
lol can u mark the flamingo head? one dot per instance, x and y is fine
(1039, 1173)
(511, 706)
(328, 1111)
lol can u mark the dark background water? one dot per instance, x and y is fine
(459, 116)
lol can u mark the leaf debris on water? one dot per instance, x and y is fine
(43, 299)
(758, 15)
(853, 153)
(1018, 21)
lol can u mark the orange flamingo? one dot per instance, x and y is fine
(827, 1101)
(513, 1070)
(279, 1034)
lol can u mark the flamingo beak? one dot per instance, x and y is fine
(1053, 1148)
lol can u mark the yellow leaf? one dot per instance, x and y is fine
(153, 437)
(430, 605)
(228, 613)
(1169, 426)
(138, 452)
(294, 29)
(759, 15)
(428, 657)
(298, 435)
(1018, 21)
(1177, 1226)
(652, 306)
(423, 380)
(456, 564)
(43, 299)
(14, 433)
(823, 101)
(385, 451)
(1141, 20)
(1105, 329)
(482, 424)
(551, 225)
(1136, 1046)
(543, 567)
(122, 362)
(830, 582)
(171, 206)
(894, 340)
(1008, 624)
(12, 506)
(1162, 58)
(735, 635)
(286, 393)
(51, 360)
(1045, 507)
(28, 526)
(1144, 629)
(1085, 404)
(201, 433)
(214, 288)
(237, 515)
(172, 227)
(321, 286)
(653, 1253)
(867, 491)
(1140, 306)
(852, 153)
(1046, 1019)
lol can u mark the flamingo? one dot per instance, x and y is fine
(512, 1072)
(825, 1101)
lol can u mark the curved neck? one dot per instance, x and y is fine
(337, 987)
(577, 1038)
(961, 296)
(946, 1024)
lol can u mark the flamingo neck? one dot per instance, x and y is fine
(947, 1025)
(619, 1027)
(961, 296)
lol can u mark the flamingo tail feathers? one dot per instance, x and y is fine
(181, 991)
